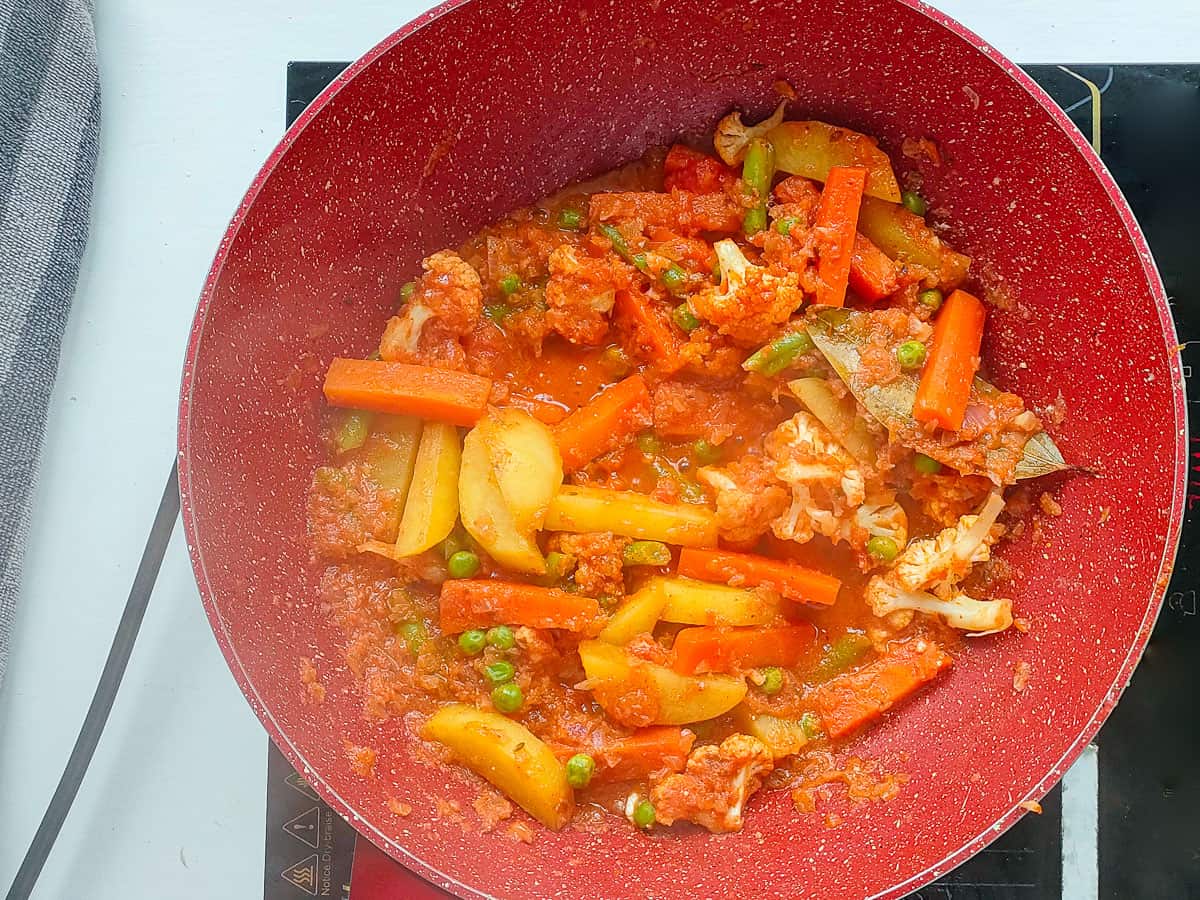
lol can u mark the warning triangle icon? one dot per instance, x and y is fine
(306, 827)
(303, 875)
(296, 783)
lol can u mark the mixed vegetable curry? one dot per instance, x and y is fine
(659, 485)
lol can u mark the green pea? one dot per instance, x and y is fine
(931, 298)
(926, 465)
(463, 564)
(616, 360)
(706, 454)
(580, 769)
(685, 318)
(841, 655)
(911, 354)
(559, 565)
(811, 725)
(914, 203)
(772, 680)
(674, 279)
(501, 637)
(570, 219)
(510, 284)
(406, 290)
(785, 225)
(499, 672)
(647, 553)
(882, 547)
(507, 698)
(471, 642)
(414, 634)
(643, 814)
(649, 442)
(353, 431)
(453, 543)
(497, 312)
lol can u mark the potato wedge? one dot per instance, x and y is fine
(783, 737)
(527, 463)
(689, 602)
(634, 515)
(508, 755)
(840, 416)
(811, 149)
(637, 615)
(636, 693)
(486, 516)
(390, 451)
(431, 508)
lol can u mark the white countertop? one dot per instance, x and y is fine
(173, 805)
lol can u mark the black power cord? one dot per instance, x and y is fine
(106, 691)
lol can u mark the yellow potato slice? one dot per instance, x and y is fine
(508, 755)
(639, 614)
(486, 516)
(634, 515)
(783, 737)
(527, 463)
(690, 602)
(432, 505)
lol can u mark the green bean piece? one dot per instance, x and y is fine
(772, 680)
(910, 355)
(674, 279)
(620, 247)
(785, 225)
(406, 290)
(685, 318)
(882, 547)
(570, 219)
(914, 203)
(501, 637)
(643, 814)
(507, 698)
(580, 769)
(510, 284)
(842, 654)
(926, 465)
(647, 553)
(499, 672)
(463, 564)
(353, 431)
(810, 723)
(776, 356)
(931, 298)
(758, 168)
(472, 642)
(497, 312)
(706, 454)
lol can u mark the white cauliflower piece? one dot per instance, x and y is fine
(925, 576)
(882, 519)
(733, 136)
(713, 788)
(751, 302)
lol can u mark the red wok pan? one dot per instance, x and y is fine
(479, 107)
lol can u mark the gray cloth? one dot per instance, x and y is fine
(49, 130)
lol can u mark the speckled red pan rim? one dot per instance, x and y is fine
(293, 754)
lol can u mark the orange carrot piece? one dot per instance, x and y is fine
(686, 169)
(750, 570)
(482, 603)
(390, 387)
(647, 750)
(851, 700)
(652, 336)
(713, 648)
(837, 218)
(545, 411)
(953, 361)
(598, 427)
(872, 272)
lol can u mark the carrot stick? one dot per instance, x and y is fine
(872, 272)
(719, 649)
(482, 603)
(837, 217)
(646, 751)
(390, 387)
(953, 361)
(603, 423)
(636, 313)
(749, 570)
(850, 701)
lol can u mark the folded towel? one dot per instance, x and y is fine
(49, 129)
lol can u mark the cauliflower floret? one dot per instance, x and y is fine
(712, 789)
(733, 135)
(750, 303)
(444, 307)
(580, 294)
(825, 481)
(748, 498)
(925, 576)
